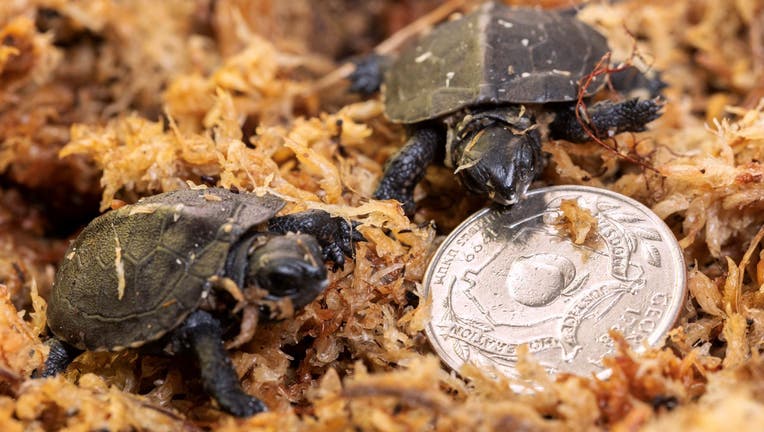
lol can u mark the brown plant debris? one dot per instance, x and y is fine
(576, 221)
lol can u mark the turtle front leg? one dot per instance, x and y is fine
(202, 336)
(606, 119)
(408, 166)
(334, 234)
(59, 357)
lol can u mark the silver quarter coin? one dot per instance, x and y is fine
(511, 276)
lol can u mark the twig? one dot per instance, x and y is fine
(603, 68)
(418, 26)
(12, 379)
(393, 42)
(187, 425)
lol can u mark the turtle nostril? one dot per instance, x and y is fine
(505, 200)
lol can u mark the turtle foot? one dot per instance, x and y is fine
(240, 404)
(606, 119)
(334, 234)
(202, 336)
(59, 357)
(367, 77)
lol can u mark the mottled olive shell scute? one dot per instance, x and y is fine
(496, 54)
(169, 245)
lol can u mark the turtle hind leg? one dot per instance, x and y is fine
(606, 119)
(408, 166)
(59, 357)
(201, 335)
(367, 77)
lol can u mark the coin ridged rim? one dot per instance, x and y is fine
(673, 310)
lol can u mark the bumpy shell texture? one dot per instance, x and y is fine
(135, 273)
(496, 54)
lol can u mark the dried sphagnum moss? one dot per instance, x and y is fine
(160, 93)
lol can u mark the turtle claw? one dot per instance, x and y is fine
(334, 252)
(343, 241)
(240, 404)
(335, 235)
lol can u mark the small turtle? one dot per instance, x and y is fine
(479, 83)
(164, 273)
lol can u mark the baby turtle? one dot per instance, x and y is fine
(169, 272)
(478, 85)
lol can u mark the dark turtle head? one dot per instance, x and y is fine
(497, 153)
(288, 266)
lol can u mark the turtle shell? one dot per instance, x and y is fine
(496, 54)
(135, 273)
